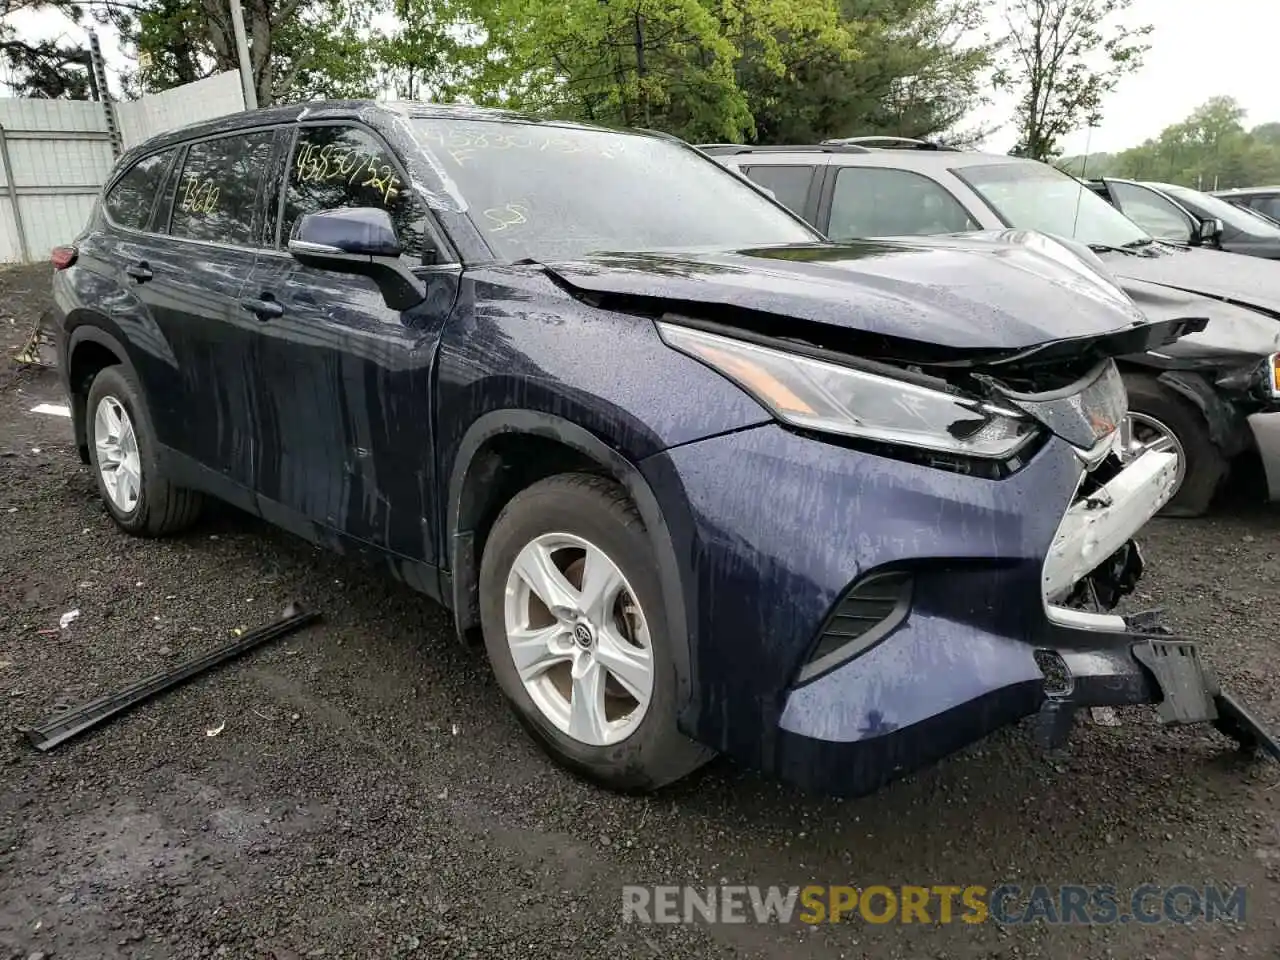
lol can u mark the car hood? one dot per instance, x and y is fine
(1247, 281)
(1232, 330)
(974, 294)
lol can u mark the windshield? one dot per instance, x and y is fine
(547, 192)
(1035, 196)
(1207, 208)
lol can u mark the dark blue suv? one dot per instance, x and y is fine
(702, 480)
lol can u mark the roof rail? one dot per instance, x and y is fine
(887, 142)
(735, 148)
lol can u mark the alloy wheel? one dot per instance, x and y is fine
(1140, 433)
(116, 446)
(579, 639)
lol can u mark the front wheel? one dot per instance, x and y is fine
(575, 630)
(1161, 419)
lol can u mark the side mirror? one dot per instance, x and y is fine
(1210, 231)
(358, 240)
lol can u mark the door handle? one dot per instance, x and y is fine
(264, 307)
(140, 271)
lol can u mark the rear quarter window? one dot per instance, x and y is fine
(789, 183)
(129, 201)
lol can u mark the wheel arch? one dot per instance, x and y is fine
(476, 495)
(92, 345)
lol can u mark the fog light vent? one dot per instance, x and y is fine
(1057, 675)
(871, 609)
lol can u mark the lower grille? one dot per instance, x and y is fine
(871, 609)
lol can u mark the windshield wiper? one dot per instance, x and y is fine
(1112, 248)
(1138, 244)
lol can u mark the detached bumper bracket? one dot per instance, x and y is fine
(1187, 687)
(1191, 694)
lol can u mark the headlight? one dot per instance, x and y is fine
(831, 398)
(1271, 377)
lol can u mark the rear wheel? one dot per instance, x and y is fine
(122, 453)
(574, 627)
(1161, 419)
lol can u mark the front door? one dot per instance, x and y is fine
(346, 380)
(191, 281)
(1160, 217)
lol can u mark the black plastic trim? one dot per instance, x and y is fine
(856, 646)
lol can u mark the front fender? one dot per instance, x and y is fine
(461, 544)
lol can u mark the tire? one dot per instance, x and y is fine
(160, 507)
(1203, 464)
(598, 513)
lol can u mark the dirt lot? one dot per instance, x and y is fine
(369, 795)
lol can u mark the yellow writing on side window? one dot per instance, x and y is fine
(199, 196)
(336, 164)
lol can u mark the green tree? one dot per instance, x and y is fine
(57, 68)
(1062, 58)
(297, 48)
(918, 73)
(1210, 148)
(680, 65)
(419, 59)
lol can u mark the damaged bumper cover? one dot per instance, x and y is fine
(975, 584)
(1067, 659)
(1129, 661)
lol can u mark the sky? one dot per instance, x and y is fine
(1198, 50)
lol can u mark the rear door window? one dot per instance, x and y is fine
(218, 188)
(1270, 205)
(129, 201)
(883, 202)
(339, 166)
(789, 183)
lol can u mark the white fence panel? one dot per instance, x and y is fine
(56, 154)
(9, 251)
(206, 99)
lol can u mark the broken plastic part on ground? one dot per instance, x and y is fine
(66, 724)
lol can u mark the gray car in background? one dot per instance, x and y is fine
(1212, 397)
(1167, 211)
(1263, 200)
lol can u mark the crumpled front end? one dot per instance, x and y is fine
(856, 616)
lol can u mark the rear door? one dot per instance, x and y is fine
(346, 381)
(120, 259)
(191, 280)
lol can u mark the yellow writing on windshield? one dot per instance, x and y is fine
(508, 215)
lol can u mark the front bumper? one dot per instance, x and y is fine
(1265, 428)
(771, 555)
(1097, 525)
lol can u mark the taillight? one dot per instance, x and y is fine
(63, 257)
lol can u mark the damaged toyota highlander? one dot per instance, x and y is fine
(699, 480)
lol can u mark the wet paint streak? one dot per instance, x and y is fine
(772, 549)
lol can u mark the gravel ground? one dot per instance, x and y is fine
(370, 796)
